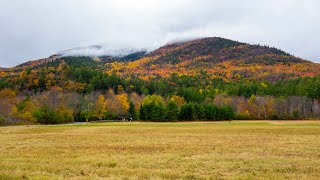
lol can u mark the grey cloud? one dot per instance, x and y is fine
(35, 28)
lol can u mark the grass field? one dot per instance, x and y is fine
(198, 150)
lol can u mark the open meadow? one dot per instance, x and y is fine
(142, 150)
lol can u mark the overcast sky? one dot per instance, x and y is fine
(33, 29)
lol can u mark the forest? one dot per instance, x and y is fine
(207, 79)
(64, 93)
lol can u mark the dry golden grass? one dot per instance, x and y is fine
(217, 150)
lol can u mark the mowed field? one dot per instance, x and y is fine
(137, 150)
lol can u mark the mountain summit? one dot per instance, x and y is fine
(215, 50)
(216, 56)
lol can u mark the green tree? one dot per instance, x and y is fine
(187, 112)
(211, 112)
(226, 113)
(172, 111)
(89, 88)
(153, 108)
(142, 114)
(132, 111)
(199, 112)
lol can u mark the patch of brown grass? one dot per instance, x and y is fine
(245, 150)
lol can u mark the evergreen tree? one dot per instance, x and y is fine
(153, 108)
(142, 115)
(160, 112)
(211, 112)
(172, 112)
(132, 111)
(187, 112)
(226, 113)
(199, 112)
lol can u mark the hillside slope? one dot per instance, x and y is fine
(216, 50)
(218, 57)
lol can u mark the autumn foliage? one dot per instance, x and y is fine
(205, 79)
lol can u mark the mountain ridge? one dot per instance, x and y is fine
(172, 48)
(221, 49)
(219, 57)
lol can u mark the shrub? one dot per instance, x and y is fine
(109, 116)
(46, 115)
(242, 116)
(2, 121)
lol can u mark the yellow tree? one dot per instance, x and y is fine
(123, 99)
(179, 101)
(120, 89)
(118, 104)
(100, 107)
(253, 107)
(270, 107)
(7, 101)
(48, 84)
(25, 113)
(23, 74)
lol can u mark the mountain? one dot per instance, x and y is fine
(216, 50)
(218, 57)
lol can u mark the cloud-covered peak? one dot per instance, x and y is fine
(101, 50)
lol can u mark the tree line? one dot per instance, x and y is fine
(67, 93)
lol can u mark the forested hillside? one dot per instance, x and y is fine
(204, 79)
